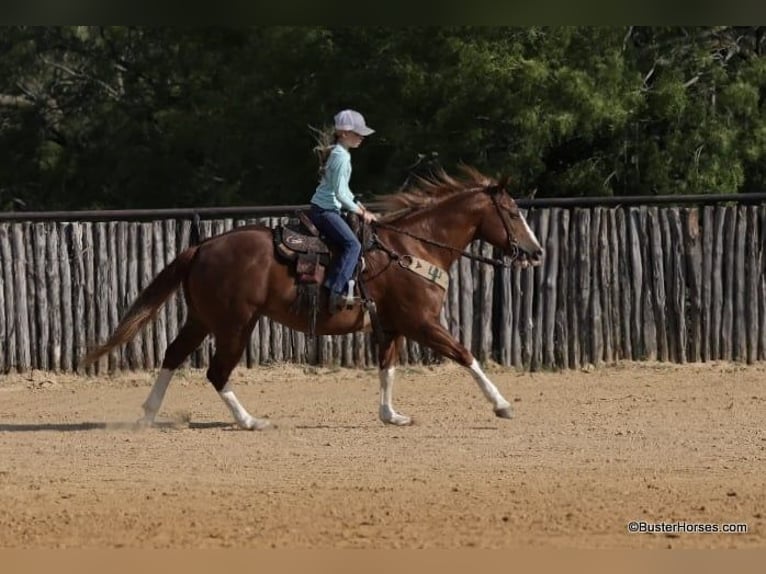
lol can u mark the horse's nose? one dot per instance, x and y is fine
(538, 254)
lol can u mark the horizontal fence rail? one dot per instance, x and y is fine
(279, 210)
(638, 283)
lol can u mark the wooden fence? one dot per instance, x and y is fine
(665, 283)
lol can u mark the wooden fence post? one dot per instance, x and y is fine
(675, 284)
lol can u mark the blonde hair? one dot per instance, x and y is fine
(325, 139)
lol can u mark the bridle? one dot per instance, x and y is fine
(507, 261)
(513, 245)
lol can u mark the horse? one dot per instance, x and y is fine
(231, 280)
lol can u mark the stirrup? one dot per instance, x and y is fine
(340, 302)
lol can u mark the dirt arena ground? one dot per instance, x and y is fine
(586, 454)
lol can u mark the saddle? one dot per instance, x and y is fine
(299, 242)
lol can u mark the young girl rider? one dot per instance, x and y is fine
(333, 194)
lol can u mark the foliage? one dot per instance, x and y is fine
(133, 117)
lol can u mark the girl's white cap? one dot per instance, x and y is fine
(352, 121)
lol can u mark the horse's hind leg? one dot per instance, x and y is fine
(388, 354)
(189, 338)
(229, 349)
(435, 336)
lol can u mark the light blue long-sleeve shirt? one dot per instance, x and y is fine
(333, 191)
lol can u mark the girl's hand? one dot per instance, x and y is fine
(368, 216)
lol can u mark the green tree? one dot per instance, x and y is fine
(124, 117)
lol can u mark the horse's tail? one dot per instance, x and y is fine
(147, 304)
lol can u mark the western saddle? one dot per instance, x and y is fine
(299, 242)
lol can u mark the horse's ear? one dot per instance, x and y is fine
(504, 182)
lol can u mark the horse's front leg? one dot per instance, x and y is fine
(435, 336)
(389, 352)
(501, 406)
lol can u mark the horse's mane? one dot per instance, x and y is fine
(429, 190)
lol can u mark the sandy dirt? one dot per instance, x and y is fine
(585, 454)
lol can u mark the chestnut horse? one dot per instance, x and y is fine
(232, 279)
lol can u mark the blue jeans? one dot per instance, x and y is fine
(336, 231)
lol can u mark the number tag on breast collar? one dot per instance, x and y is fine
(425, 269)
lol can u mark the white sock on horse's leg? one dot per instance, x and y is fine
(243, 418)
(501, 407)
(156, 395)
(386, 411)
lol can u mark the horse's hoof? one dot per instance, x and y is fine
(504, 413)
(400, 421)
(256, 424)
(390, 417)
(144, 423)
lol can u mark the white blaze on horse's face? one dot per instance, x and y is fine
(529, 243)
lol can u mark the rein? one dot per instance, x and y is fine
(480, 258)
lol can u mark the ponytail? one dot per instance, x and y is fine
(325, 140)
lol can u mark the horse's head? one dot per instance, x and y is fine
(468, 208)
(504, 226)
